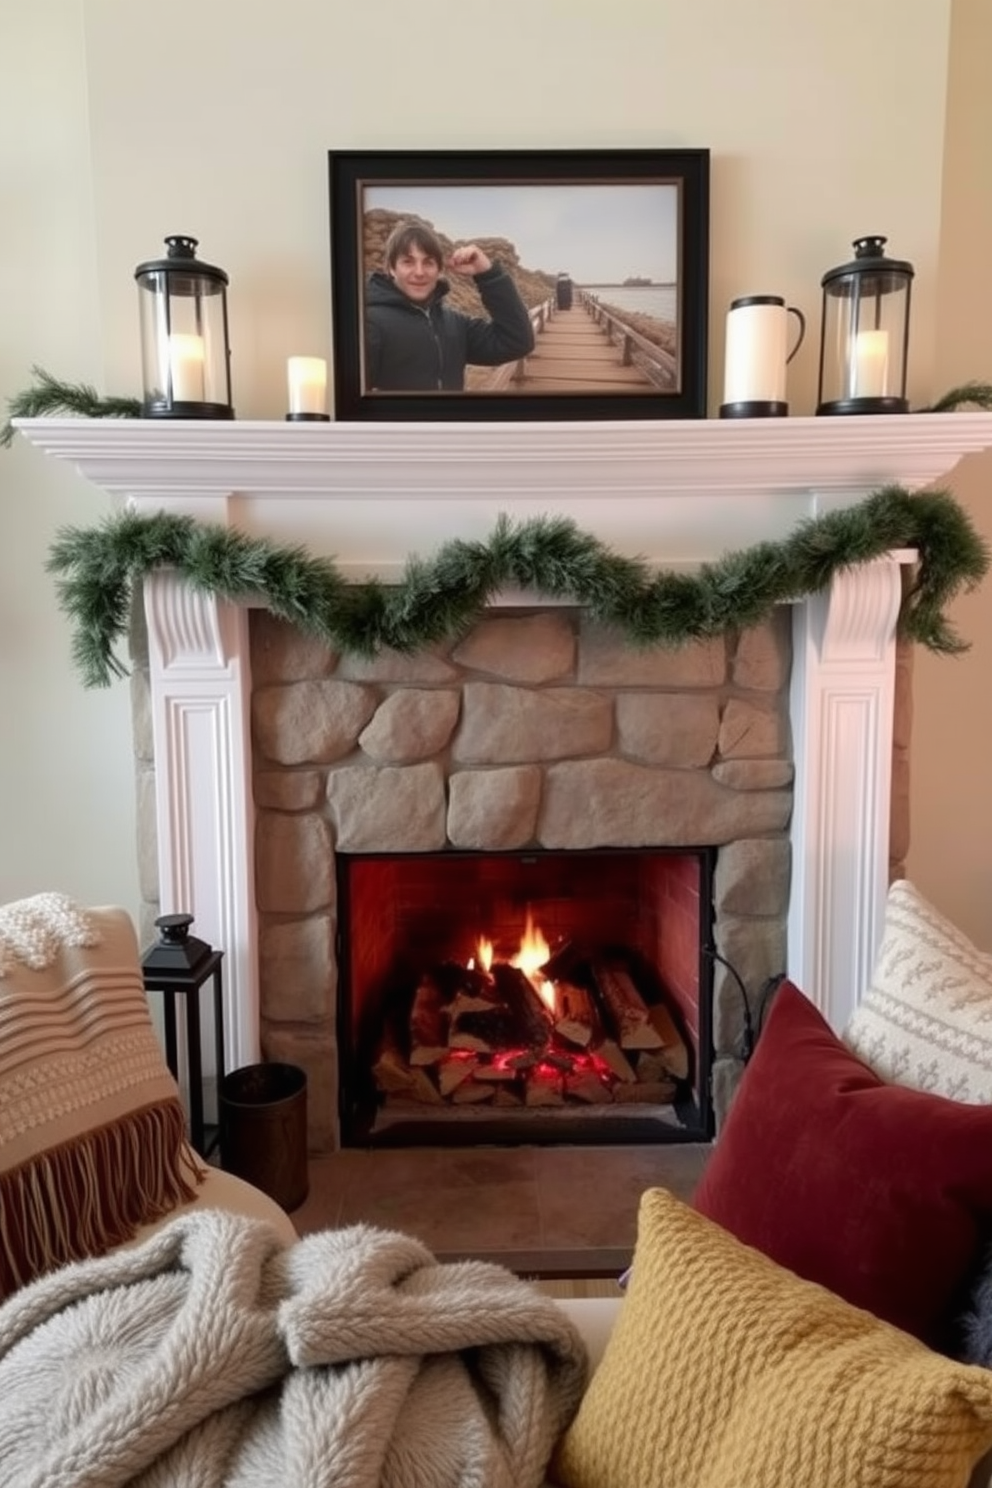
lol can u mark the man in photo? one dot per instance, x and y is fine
(414, 342)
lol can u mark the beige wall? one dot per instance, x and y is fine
(66, 773)
(951, 791)
(123, 123)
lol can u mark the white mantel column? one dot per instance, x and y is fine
(200, 698)
(843, 693)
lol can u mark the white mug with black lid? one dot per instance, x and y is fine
(757, 354)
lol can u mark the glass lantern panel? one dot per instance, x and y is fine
(183, 339)
(864, 337)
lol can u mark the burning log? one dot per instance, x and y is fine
(576, 1018)
(562, 962)
(616, 1061)
(454, 1071)
(626, 1006)
(453, 978)
(586, 1085)
(472, 1093)
(544, 1088)
(674, 1054)
(394, 1076)
(429, 1023)
(486, 1030)
(493, 1073)
(524, 1002)
(507, 1097)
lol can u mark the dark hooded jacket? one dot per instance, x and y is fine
(426, 348)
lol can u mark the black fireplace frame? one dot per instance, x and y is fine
(358, 1101)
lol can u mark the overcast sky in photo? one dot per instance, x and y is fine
(597, 234)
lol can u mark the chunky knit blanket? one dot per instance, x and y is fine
(212, 1355)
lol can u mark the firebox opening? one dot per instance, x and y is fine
(532, 996)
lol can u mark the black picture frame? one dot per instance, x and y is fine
(665, 194)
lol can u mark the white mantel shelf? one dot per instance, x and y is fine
(672, 491)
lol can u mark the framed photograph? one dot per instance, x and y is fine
(519, 284)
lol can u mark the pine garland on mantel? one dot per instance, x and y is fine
(439, 598)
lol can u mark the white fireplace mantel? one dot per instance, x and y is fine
(674, 493)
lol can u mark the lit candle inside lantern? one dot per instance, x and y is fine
(307, 384)
(870, 371)
(186, 359)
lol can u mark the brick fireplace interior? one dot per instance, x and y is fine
(524, 997)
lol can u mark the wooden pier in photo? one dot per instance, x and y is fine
(583, 349)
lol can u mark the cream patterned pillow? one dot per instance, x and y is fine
(926, 1019)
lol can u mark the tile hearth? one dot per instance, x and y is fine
(542, 1211)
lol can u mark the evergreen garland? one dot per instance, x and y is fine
(50, 397)
(439, 599)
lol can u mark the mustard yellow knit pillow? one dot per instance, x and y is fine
(725, 1370)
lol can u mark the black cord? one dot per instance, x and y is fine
(747, 1041)
(765, 997)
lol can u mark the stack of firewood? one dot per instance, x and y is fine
(589, 1036)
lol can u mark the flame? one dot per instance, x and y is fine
(534, 950)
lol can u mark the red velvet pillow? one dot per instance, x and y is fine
(881, 1193)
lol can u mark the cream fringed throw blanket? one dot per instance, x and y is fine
(92, 1132)
(209, 1355)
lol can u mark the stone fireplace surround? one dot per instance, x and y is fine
(538, 730)
(674, 493)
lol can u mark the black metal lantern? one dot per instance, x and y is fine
(185, 358)
(864, 336)
(180, 964)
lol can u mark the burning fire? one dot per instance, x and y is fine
(531, 956)
(533, 953)
(483, 955)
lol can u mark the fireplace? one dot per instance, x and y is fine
(674, 493)
(539, 762)
(534, 996)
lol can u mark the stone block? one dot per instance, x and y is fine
(310, 722)
(670, 729)
(521, 648)
(388, 808)
(294, 863)
(763, 657)
(494, 810)
(411, 724)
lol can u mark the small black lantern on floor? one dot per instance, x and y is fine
(185, 358)
(179, 963)
(864, 336)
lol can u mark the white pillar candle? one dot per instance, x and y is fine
(754, 367)
(870, 366)
(307, 384)
(186, 359)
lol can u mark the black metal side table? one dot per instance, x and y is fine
(179, 964)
